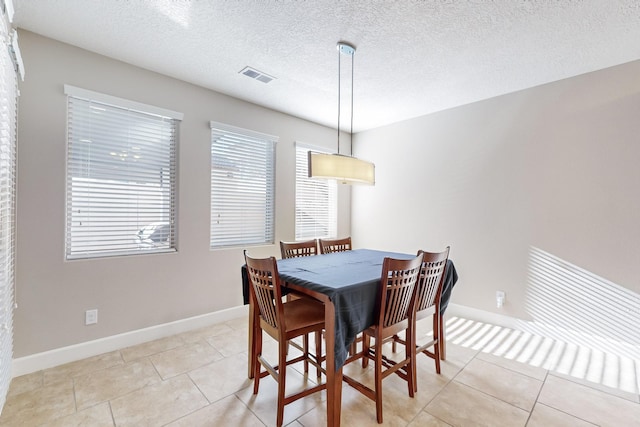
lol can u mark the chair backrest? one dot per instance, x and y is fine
(265, 284)
(397, 284)
(328, 246)
(429, 286)
(298, 249)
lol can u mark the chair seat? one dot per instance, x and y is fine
(303, 313)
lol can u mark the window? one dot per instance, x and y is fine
(316, 201)
(10, 63)
(121, 176)
(242, 187)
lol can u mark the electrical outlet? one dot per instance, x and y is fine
(91, 317)
(500, 296)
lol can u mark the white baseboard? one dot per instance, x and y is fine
(60, 356)
(483, 316)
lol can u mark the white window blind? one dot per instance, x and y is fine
(316, 201)
(121, 176)
(8, 119)
(242, 186)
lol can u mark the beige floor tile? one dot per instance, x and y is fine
(216, 391)
(633, 397)
(357, 410)
(207, 332)
(588, 403)
(544, 416)
(229, 411)
(459, 355)
(239, 324)
(513, 365)
(462, 406)
(184, 358)
(397, 405)
(38, 406)
(457, 358)
(597, 367)
(112, 382)
(264, 404)
(83, 366)
(158, 404)
(429, 382)
(150, 348)
(504, 384)
(230, 343)
(222, 378)
(26, 383)
(424, 419)
(95, 416)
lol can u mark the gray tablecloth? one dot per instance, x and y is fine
(350, 280)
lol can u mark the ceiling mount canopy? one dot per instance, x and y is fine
(342, 168)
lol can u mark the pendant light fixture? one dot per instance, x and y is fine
(343, 168)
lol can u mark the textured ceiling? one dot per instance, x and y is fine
(413, 57)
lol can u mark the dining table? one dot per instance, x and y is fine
(346, 283)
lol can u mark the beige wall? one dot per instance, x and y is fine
(554, 167)
(137, 291)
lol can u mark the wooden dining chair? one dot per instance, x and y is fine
(427, 303)
(297, 249)
(394, 304)
(328, 246)
(283, 321)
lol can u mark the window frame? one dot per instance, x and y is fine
(130, 184)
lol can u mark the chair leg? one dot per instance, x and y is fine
(365, 350)
(318, 339)
(410, 353)
(437, 348)
(257, 336)
(305, 350)
(378, 379)
(282, 376)
(441, 338)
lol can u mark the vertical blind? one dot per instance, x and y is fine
(316, 201)
(121, 177)
(242, 186)
(8, 120)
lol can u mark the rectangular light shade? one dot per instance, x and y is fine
(344, 169)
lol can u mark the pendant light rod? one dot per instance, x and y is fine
(339, 86)
(344, 48)
(353, 55)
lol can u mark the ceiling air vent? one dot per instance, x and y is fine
(257, 75)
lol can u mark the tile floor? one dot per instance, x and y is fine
(199, 379)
